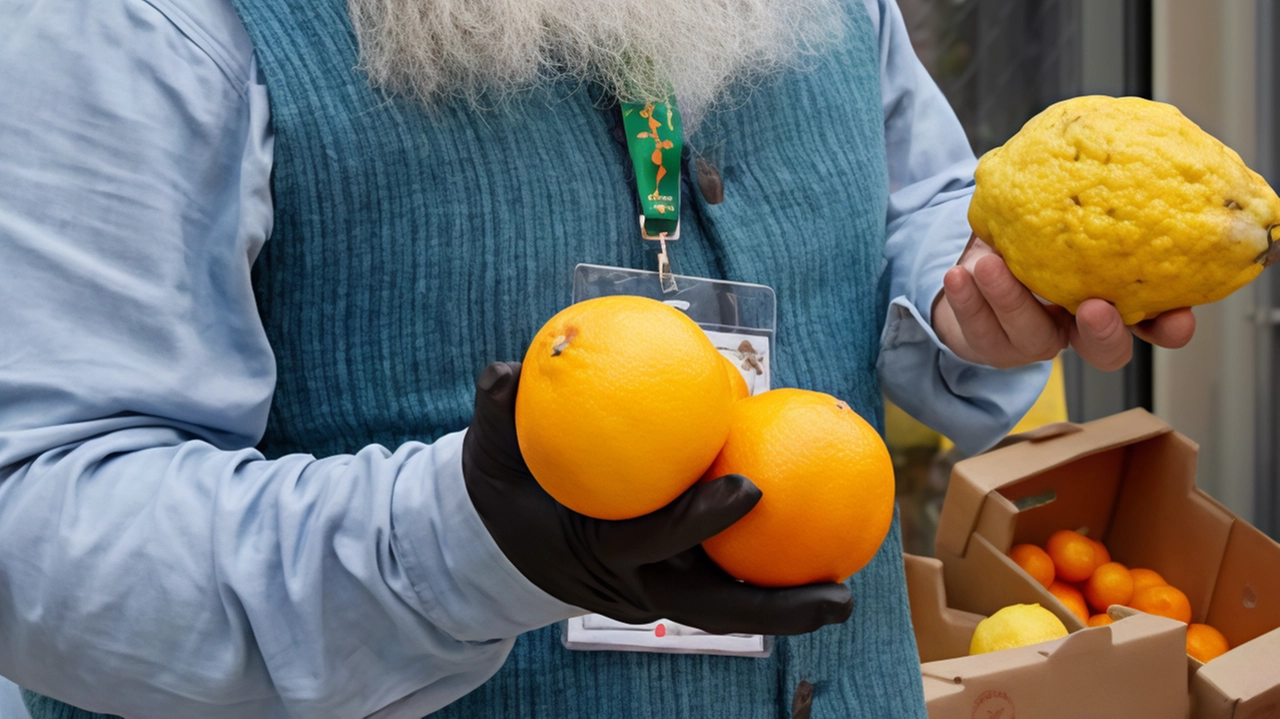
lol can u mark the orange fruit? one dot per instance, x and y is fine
(737, 385)
(1103, 556)
(1109, 584)
(1205, 643)
(1034, 561)
(1143, 578)
(623, 403)
(1072, 598)
(1100, 620)
(827, 481)
(1074, 556)
(1165, 601)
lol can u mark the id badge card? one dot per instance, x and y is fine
(739, 318)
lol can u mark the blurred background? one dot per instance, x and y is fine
(1000, 62)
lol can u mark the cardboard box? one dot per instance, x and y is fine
(1132, 669)
(1128, 480)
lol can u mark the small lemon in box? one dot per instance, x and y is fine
(1016, 626)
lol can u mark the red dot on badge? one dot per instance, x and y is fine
(660, 630)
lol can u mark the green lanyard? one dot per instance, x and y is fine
(655, 138)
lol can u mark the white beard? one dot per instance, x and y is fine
(485, 51)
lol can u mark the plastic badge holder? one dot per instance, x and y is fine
(740, 320)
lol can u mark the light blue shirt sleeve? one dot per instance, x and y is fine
(152, 563)
(931, 180)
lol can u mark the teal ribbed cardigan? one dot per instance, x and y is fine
(413, 247)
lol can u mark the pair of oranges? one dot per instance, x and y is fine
(1078, 571)
(624, 403)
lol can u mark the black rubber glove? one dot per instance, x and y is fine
(635, 570)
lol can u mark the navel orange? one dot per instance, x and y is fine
(623, 403)
(827, 481)
(737, 385)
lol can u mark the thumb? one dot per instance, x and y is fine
(496, 387)
(703, 511)
(497, 384)
(493, 427)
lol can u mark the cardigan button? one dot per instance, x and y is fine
(802, 702)
(709, 182)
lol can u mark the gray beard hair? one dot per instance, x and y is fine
(487, 51)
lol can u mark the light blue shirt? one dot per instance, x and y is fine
(152, 562)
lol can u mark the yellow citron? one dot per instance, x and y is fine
(1015, 626)
(623, 404)
(1125, 200)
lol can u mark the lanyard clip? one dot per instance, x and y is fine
(665, 277)
(673, 235)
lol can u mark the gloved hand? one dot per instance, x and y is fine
(635, 570)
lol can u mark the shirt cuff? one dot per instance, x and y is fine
(972, 404)
(467, 586)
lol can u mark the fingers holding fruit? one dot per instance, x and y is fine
(1094, 198)
(1090, 206)
(611, 467)
(1099, 335)
(1171, 330)
(985, 315)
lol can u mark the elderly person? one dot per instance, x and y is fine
(257, 254)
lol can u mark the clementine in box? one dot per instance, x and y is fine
(1143, 578)
(1109, 584)
(1034, 561)
(1164, 601)
(1074, 555)
(1205, 643)
(1072, 598)
(1101, 555)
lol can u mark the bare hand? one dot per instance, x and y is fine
(985, 315)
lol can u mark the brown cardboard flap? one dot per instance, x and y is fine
(1132, 669)
(1119, 611)
(1129, 481)
(1249, 673)
(965, 668)
(1246, 596)
(1083, 493)
(941, 632)
(1048, 431)
(937, 690)
(1169, 525)
(972, 479)
(1089, 641)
